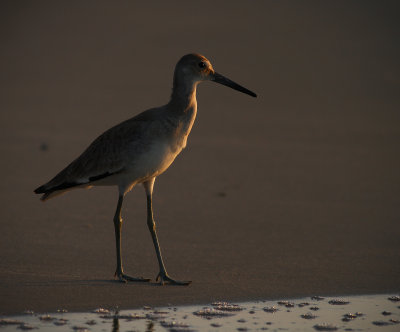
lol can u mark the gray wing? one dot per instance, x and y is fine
(107, 155)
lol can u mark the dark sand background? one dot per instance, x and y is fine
(294, 193)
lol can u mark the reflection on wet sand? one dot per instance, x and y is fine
(115, 325)
(314, 313)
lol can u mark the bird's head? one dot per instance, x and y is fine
(197, 68)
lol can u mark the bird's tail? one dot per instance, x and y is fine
(51, 191)
(48, 192)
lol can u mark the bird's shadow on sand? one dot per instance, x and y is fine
(91, 282)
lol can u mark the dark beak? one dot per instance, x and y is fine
(226, 81)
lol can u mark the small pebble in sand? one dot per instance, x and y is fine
(317, 298)
(287, 304)
(26, 327)
(175, 326)
(270, 309)
(44, 146)
(308, 315)
(216, 324)
(338, 302)
(394, 298)
(325, 327)
(7, 321)
(252, 312)
(101, 311)
(303, 304)
(349, 317)
(80, 329)
(386, 313)
(211, 312)
(29, 312)
(225, 306)
(382, 323)
(130, 317)
(242, 329)
(314, 308)
(155, 315)
(60, 322)
(91, 322)
(241, 320)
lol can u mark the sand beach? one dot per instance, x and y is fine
(295, 193)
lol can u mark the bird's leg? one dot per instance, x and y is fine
(162, 275)
(119, 273)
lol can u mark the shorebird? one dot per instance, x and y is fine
(140, 149)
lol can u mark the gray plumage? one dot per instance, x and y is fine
(140, 149)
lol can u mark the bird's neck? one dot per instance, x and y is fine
(183, 109)
(183, 97)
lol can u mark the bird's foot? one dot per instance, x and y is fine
(122, 277)
(165, 279)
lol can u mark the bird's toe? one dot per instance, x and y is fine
(122, 277)
(163, 279)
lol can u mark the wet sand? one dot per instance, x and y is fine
(291, 194)
(357, 313)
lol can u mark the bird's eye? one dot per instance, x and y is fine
(202, 64)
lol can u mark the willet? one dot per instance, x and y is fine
(140, 149)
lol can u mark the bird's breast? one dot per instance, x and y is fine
(183, 128)
(160, 145)
(155, 160)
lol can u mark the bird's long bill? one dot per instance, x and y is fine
(226, 81)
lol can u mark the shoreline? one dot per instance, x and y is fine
(302, 314)
(77, 308)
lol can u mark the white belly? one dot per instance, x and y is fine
(153, 162)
